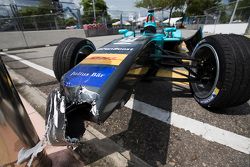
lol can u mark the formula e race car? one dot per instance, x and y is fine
(95, 82)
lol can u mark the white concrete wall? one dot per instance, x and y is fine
(11, 40)
(239, 28)
(17, 39)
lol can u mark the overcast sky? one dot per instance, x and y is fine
(125, 5)
(122, 5)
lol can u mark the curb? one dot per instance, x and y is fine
(109, 152)
(34, 96)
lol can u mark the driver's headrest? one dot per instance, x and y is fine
(151, 11)
(150, 18)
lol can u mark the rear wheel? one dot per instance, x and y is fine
(223, 71)
(69, 53)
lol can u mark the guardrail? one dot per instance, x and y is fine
(27, 39)
(237, 28)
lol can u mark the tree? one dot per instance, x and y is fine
(224, 16)
(100, 9)
(28, 11)
(243, 10)
(177, 14)
(161, 4)
(149, 4)
(114, 20)
(70, 21)
(44, 7)
(197, 7)
(174, 4)
(44, 21)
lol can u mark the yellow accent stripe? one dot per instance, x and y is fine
(181, 83)
(183, 48)
(186, 61)
(164, 73)
(173, 74)
(108, 59)
(139, 71)
(216, 91)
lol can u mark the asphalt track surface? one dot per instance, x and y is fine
(161, 124)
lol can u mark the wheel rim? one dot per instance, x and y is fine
(207, 69)
(83, 52)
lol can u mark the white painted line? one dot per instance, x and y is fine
(206, 131)
(33, 65)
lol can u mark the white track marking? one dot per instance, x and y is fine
(33, 65)
(206, 131)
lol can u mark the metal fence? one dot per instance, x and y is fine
(32, 23)
(13, 18)
(235, 12)
(108, 18)
(27, 18)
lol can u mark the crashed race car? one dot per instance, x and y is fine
(95, 82)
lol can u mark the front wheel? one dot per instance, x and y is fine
(69, 53)
(223, 70)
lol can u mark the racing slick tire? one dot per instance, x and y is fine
(69, 53)
(223, 70)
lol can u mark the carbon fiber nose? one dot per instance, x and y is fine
(56, 121)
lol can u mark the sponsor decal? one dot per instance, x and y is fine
(216, 91)
(207, 100)
(126, 41)
(211, 97)
(116, 49)
(106, 59)
(88, 75)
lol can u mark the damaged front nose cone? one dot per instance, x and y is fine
(67, 108)
(56, 121)
(79, 95)
(65, 115)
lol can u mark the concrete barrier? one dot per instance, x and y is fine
(193, 26)
(239, 28)
(12, 40)
(248, 30)
(101, 32)
(26, 39)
